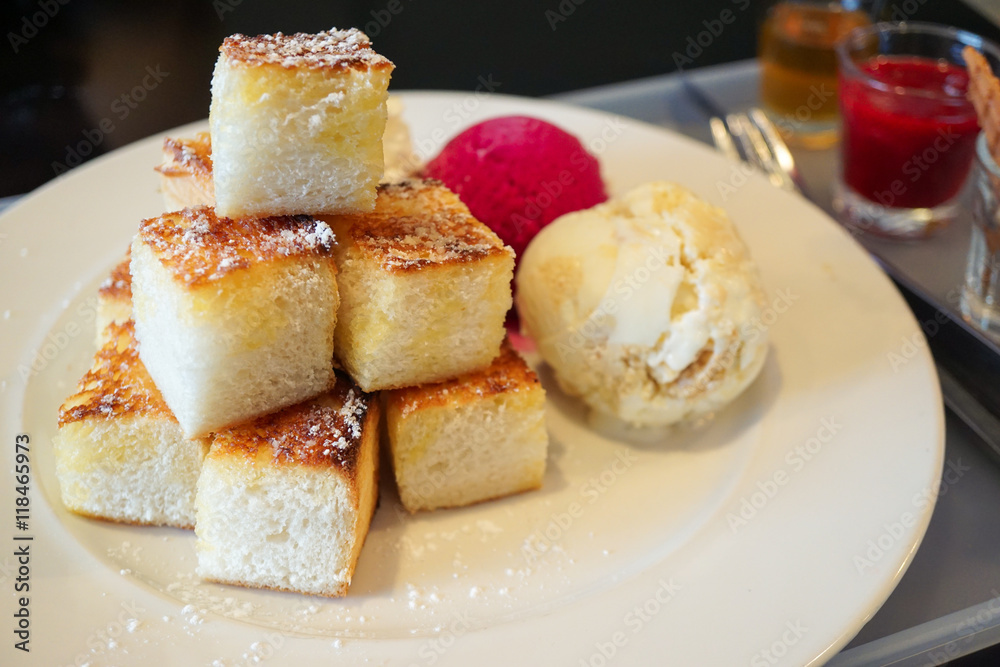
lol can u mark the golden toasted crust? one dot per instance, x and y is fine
(418, 224)
(198, 247)
(403, 197)
(332, 49)
(188, 157)
(324, 432)
(117, 385)
(118, 286)
(507, 373)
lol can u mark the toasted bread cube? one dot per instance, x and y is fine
(235, 318)
(120, 454)
(424, 288)
(186, 172)
(476, 437)
(114, 299)
(285, 501)
(297, 123)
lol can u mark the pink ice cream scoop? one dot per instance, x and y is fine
(517, 174)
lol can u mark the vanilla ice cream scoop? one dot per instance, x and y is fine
(647, 306)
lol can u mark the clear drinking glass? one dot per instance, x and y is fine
(980, 303)
(909, 132)
(798, 66)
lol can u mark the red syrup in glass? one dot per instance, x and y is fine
(908, 130)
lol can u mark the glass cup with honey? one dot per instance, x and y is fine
(798, 66)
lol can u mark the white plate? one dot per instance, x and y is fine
(769, 536)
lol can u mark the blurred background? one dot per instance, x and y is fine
(82, 77)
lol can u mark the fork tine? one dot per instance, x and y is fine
(740, 127)
(723, 139)
(762, 152)
(752, 137)
(787, 172)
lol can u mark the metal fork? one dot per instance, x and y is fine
(751, 137)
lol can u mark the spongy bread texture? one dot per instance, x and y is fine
(297, 123)
(424, 288)
(285, 502)
(473, 438)
(235, 318)
(120, 454)
(186, 171)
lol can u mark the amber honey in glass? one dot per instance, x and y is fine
(798, 78)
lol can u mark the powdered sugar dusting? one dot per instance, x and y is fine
(119, 283)
(200, 247)
(327, 430)
(353, 413)
(328, 49)
(420, 223)
(508, 374)
(320, 236)
(433, 239)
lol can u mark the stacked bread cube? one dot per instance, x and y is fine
(472, 438)
(120, 453)
(425, 288)
(285, 501)
(235, 315)
(217, 399)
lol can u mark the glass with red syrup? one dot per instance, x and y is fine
(909, 132)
